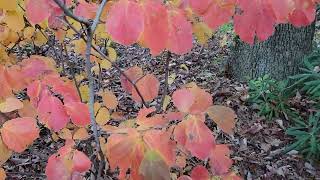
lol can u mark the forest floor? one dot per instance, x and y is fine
(256, 145)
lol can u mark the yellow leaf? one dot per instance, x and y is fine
(184, 67)
(101, 32)
(105, 64)
(79, 77)
(39, 38)
(172, 78)
(14, 20)
(103, 116)
(166, 102)
(112, 54)
(55, 137)
(81, 134)
(65, 134)
(8, 4)
(95, 69)
(11, 104)
(96, 107)
(84, 91)
(28, 32)
(5, 153)
(202, 32)
(79, 46)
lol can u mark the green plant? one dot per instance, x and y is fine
(270, 96)
(309, 80)
(307, 137)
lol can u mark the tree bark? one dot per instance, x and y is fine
(279, 56)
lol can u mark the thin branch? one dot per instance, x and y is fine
(90, 32)
(166, 80)
(67, 12)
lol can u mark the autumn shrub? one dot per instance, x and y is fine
(77, 110)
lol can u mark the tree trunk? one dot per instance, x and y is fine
(279, 56)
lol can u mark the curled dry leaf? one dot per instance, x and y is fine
(224, 117)
(19, 133)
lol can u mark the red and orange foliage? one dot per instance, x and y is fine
(152, 143)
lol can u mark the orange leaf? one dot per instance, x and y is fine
(200, 173)
(2, 174)
(19, 133)
(148, 87)
(183, 99)
(79, 113)
(11, 104)
(28, 110)
(219, 159)
(81, 134)
(147, 122)
(126, 151)
(51, 112)
(195, 136)
(224, 117)
(133, 73)
(109, 100)
(160, 141)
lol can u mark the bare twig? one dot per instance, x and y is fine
(67, 12)
(90, 32)
(166, 81)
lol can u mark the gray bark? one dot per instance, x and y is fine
(279, 56)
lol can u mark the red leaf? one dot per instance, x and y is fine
(81, 162)
(156, 31)
(200, 173)
(154, 121)
(195, 136)
(219, 159)
(51, 112)
(79, 113)
(56, 169)
(180, 33)
(160, 141)
(126, 151)
(37, 10)
(257, 18)
(219, 13)
(133, 73)
(199, 6)
(86, 10)
(183, 99)
(148, 87)
(19, 133)
(125, 22)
